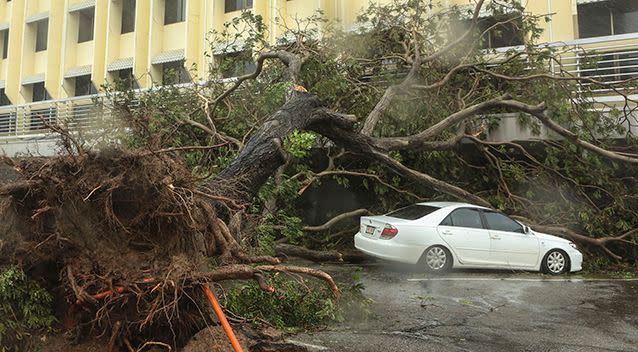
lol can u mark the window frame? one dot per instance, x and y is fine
(489, 37)
(41, 38)
(5, 44)
(180, 12)
(237, 5)
(242, 63)
(487, 224)
(83, 14)
(179, 69)
(90, 87)
(125, 78)
(449, 216)
(45, 92)
(612, 13)
(4, 99)
(128, 26)
(428, 208)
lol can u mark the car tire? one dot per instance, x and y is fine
(437, 259)
(555, 262)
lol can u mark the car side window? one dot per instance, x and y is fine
(447, 221)
(499, 222)
(464, 217)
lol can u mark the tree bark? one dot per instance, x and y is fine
(263, 153)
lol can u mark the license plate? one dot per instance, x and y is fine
(369, 230)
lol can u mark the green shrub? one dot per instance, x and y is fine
(24, 306)
(297, 305)
(293, 305)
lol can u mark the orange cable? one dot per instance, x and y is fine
(222, 318)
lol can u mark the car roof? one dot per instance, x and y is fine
(452, 205)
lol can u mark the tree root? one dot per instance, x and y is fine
(247, 272)
(130, 257)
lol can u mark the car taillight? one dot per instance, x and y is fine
(388, 232)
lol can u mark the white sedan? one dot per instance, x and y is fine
(442, 235)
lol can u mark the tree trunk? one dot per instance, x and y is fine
(263, 153)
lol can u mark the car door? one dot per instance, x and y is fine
(510, 246)
(463, 231)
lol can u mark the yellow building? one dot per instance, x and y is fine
(52, 51)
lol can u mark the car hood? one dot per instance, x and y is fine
(544, 236)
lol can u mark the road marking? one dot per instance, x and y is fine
(307, 345)
(513, 279)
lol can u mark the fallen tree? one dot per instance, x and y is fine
(127, 236)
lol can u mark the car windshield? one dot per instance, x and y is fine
(413, 212)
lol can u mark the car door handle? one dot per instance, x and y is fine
(446, 232)
(495, 237)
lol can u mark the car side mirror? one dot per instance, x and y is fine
(526, 229)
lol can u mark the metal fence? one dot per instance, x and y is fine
(33, 121)
(609, 59)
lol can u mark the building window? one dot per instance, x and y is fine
(502, 35)
(86, 24)
(174, 73)
(174, 11)
(128, 16)
(39, 92)
(41, 35)
(236, 5)
(607, 18)
(236, 64)
(84, 86)
(4, 99)
(4, 36)
(124, 79)
(495, 33)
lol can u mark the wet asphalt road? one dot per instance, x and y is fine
(484, 311)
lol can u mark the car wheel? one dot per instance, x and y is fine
(437, 259)
(555, 262)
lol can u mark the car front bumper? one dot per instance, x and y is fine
(576, 260)
(388, 249)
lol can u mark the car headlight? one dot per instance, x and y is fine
(573, 245)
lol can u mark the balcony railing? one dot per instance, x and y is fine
(33, 121)
(609, 59)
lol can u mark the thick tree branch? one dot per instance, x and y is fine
(341, 131)
(247, 272)
(384, 103)
(289, 59)
(420, 139)
(301, 252)
(330, 223)
(212, 132)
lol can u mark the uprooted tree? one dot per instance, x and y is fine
(401, 108)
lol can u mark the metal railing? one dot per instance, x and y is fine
(608, 59)
(33, 120)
